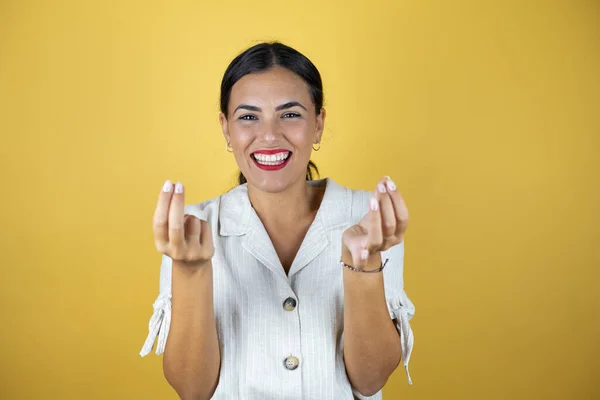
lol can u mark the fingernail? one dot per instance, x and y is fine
(364, 254)
(374, 204)
(381, 188)
(168, 186)
(391, 185)
(178, 187)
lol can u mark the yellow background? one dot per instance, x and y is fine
(485, 113)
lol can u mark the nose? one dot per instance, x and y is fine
(271, 132)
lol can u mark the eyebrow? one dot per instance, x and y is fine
(284, 106)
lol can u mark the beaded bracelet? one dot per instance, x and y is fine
(343, 264)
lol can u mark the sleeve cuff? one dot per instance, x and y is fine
(159, 325)
(402, 310)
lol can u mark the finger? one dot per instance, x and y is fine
(191, 229)
(374, 237)
(399, 205)
(176, 232)
(161, 214)
(388, 216)
(206, 240)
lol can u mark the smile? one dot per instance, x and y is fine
(271, 162)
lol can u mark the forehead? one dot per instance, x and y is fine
(276, 85)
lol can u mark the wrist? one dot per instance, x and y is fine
(371, 263)
(192, 268)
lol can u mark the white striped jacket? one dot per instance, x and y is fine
(256, 333)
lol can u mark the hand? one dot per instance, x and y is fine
(380, 229)
(183, 238)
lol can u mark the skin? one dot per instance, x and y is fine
(279, 197)
(372, 348)
(286, 205)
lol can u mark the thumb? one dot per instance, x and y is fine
(191, 228)
(355, 240)
(206, 240)
(357, 250)
(360, 257)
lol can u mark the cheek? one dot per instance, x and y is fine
(242, 134)
(299, 132)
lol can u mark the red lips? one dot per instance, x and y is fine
(271, 151)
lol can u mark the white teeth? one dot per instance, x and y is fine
(272, 159)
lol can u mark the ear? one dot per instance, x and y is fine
(320, 125)
(224, 127)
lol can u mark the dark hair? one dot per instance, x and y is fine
(262, 57)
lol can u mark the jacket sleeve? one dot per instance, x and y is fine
(400, 307)
(161, 318)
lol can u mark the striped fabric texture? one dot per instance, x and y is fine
(256, 334)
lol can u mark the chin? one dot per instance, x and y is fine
(269, 185)
(272, 184)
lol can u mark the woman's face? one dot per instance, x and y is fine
(272, 112)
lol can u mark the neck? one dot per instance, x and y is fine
(294, 204)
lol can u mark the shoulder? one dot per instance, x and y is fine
(358, 199)
(204, 210)
(234, 202)
(360, 202)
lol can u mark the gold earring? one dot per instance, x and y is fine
(318, 148)
(227, 148)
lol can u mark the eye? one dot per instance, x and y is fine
(290, 115)
(248, 117)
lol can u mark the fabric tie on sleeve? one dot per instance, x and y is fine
(403, 313)
(159, 325)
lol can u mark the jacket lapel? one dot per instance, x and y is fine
(258, 243)
(334, 212)
(313, 244)
(237, 217)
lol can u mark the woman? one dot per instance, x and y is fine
(284, 287)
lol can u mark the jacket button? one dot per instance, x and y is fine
(291, 363)
(289, 304)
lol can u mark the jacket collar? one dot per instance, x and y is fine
(235, 210)
(237, 217)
